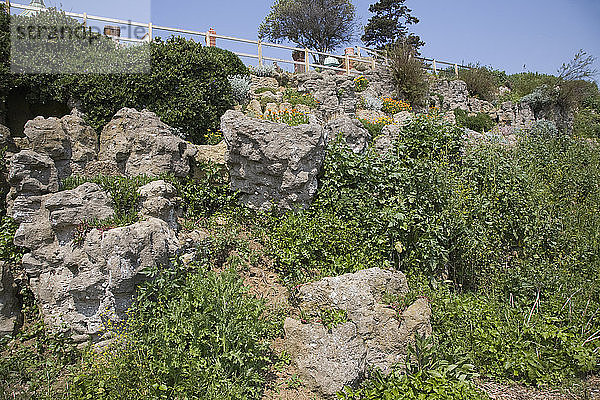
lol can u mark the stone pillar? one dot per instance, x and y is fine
(298, 56)
(211, 40)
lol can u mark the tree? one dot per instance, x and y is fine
(322, 25)
(389, 25)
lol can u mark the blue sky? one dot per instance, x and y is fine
(512, 35)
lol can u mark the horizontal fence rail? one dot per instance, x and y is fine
(347, 62)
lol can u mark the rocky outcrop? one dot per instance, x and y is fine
(30, 175)
(335, 93)
(68, 141)
(272, 164)
(158, 200)
(79, 285)
(374, 335)
(351, 130)
(449, 95)
(10, 307)
(139, 143)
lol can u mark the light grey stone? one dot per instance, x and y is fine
(139, 143)
(272, 164)
(352, 131)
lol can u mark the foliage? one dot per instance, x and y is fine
(579, 68)
(392, 107)
(191, 334)
(262, 90)
(322, 25)
(9, 253)
(123, 191)
(511, 230)
(525, 83)
(361, 83)
(264, 70)
(330, 318)
(291, 117)
(75, 51)
(365, 205)
(481, 122)
(376, 126)
(35, 361)
(544, 129)
(481, 82)
(293, 97)
(212, 137)
(587, 118)
(186, 87)
(389, 25)
(408, 74)
(372, 103)
(240, 87)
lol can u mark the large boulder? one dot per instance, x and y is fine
(30, 176)
(335, 93)
(158, 199)
(83, 277)
(139, 143)
(68, 141)
(10, 306)
(351, 130)
(374, 335)
(272, 164)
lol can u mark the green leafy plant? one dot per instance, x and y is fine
(481, 122)
(481, 82)
(191, 334)
(360, 83)
(291, 117)
(408, 73)
(293, 97)
(240, 87)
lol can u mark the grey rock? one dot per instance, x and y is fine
(373, 337)
(80, 286)
(352, 131)
(83, 139)
(272, 164)
(384, 143)
(139, 143)
(47, 136)
(30, 175)
(158, 200)
(453, 94)
(10, 305)
(328, 361)
(257, 82)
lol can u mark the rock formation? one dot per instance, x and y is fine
(138, 142)
(272, 164)
(373, 335)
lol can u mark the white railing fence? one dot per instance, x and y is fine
(368, 58)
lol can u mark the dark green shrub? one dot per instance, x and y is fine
(525, 83)
(482, 82)
(408, 74)
(187, 86)
(481, 122)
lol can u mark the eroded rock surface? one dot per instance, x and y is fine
(352, 131)
(80, 284)
(10, 307)
(373, 336)
(138, 142)
(272, 164)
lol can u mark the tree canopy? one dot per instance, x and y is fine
(389, 25)
(322, 25)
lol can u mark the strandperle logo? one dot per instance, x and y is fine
(50, 42)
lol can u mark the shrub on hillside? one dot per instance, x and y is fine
(408, 74)
(187, 86)
(482, 82)
(481, 122)
(191, 334)
(240, 88)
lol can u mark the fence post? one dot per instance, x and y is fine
(456, 70)
(260, 59)
(347, 57)
(84, 19)
(306, 60)
(149, 32)
(8, 6)
(434, 68)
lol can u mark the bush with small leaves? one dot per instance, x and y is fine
(265, 70)
(372, 103)
(240, 88)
